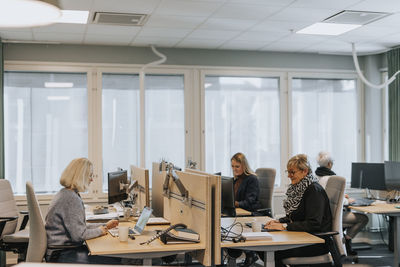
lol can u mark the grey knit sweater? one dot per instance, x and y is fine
(65, 221)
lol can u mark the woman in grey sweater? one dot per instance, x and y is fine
(65, 220)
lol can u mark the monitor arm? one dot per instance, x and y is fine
(171, 173)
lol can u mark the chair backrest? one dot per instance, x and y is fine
(37, 233)
(8, 207)
(266, 180)
(335, 190)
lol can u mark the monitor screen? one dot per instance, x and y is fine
(368, 175)
(115, 192)
(227, 197)
(392, 175)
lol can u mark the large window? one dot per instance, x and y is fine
(324, 118)
(242, 115)
(45, 126)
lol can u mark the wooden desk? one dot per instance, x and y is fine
(281, 240)
(241, 212)
(111, 246)
(390, 210)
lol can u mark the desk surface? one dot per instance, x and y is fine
(108, 245)
(279, 238)
(242, 212)
(383, 208)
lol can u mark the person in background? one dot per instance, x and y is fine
(307, 209)
(65, 220)
(357, 220)
(247, 191)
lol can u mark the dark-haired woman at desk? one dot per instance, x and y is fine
(307, 209)
(65, 221)
(247, 193)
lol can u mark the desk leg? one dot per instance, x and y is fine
(269, 259)
(396, 240)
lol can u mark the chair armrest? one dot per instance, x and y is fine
(23, 212)
(24, 220)
(63, 246)
(326, 234)
(263, 212)
(4, 220)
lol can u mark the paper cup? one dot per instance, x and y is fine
(256, 226)
(123, 233)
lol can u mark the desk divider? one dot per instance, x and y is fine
(196, 216)
(142, 177)
(157, 198)
(216, 214)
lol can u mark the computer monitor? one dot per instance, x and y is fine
(392, 175)
(368, 175)
(227, 197)
(116, 189)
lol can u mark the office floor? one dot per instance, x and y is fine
(377, 256)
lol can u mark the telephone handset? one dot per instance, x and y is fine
(178, 225)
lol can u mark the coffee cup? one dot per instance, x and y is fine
(256, 226)
(123, 233)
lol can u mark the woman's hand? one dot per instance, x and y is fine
(270, 222)
(112, 223)
(103, 230)
(275, 226)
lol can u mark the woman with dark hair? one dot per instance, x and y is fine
(307, 209)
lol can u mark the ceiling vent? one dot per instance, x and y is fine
(125, 19)
(356, 17)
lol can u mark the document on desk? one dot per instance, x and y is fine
(108, 216)
(157, 221)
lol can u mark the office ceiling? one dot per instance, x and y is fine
(259, 25)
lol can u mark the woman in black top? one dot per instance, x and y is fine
(246, 186)
(307, 209)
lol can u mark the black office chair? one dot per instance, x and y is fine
(266, 180)
(12, 239)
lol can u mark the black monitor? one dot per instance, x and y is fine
(227, 197)
(368, 175)
(392, 175)
(116, 192)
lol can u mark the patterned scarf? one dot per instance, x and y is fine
(295, 193)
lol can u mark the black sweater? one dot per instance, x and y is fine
(248, 193)
(313, 213)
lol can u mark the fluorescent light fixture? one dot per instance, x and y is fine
(28, 13)
(58, 85)
(73, 16)
(58, 98)
(322, 28)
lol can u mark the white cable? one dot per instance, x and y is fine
(378, 86)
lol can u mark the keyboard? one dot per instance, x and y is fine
(362, 202)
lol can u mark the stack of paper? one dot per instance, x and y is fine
(257, 235)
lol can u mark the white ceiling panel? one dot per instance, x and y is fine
(378, 6)
(285, 46)
(163, 21)
(305, 38)
(200, 43)
(337, 4)
(186, 8)
(98, 29)
(311, 15)
(391, 21)
(227, 24)
(245, 45)
(376, 32)
(162, 32)
(214, 35)
(12, 35)
(62, 27)
(280, 3)
(69, 38)
(280, 26)
(107, 39)
(260, 36)
(76, 4)
(245, 11)
(125, 6)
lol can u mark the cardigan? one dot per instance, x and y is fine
(313, 213)
(248, 192)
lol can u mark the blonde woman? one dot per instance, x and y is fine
(65, 220)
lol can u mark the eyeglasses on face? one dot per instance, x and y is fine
(290, 172)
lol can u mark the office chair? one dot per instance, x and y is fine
(335, 191)
(266, 179)
(12, 239)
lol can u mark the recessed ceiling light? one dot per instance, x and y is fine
(73, 16)
(28, 13)
(322, 28)
(58, 85)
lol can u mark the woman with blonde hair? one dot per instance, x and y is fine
(306, 206)
(65, 221)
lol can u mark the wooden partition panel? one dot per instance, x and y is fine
(216, 214)
(142, 176)
(196, 216)
(157, 199)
